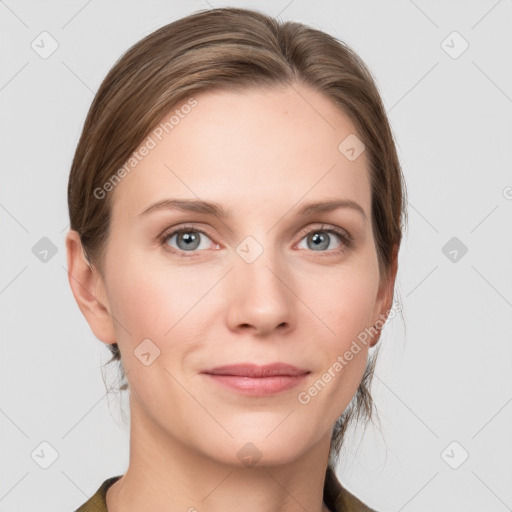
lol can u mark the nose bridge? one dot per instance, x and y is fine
(262, 298)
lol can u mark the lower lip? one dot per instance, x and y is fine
(259, 386)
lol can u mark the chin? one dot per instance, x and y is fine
(260, 449)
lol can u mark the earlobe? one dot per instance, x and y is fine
(88, 289)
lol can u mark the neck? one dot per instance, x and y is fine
(166, 474)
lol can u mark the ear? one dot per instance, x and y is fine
(89, 290)
(385, 296)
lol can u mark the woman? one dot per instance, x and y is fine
(236, 207)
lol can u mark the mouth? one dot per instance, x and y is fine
(251, 379)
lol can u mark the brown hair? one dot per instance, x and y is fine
(232, 49)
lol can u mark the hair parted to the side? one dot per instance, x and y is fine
(232, 49)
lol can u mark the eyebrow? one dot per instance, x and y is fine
(216, 210)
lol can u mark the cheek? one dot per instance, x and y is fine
(169, 306)
(345, 304)
(156, 325)
(138, 303)
(345, 300)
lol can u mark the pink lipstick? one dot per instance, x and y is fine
(257, 380)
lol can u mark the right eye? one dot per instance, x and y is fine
(187, 239)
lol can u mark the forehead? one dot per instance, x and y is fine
(249, 149)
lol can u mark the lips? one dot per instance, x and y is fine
(257, 380)
(257, 371)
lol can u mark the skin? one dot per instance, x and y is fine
(261, 154)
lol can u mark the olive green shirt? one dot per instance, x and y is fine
(336, 497)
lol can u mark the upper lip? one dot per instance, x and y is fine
(253, 370)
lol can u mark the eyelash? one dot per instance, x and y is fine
(346, 239)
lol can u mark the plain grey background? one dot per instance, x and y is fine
(443, 383)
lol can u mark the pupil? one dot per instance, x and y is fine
(319, 239)
(188, 239)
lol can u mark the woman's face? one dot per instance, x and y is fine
(263, 284)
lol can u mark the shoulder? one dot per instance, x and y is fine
(98, 501)
(339, 499)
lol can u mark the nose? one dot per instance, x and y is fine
(261, 299)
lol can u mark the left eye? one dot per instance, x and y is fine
(321, 238)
